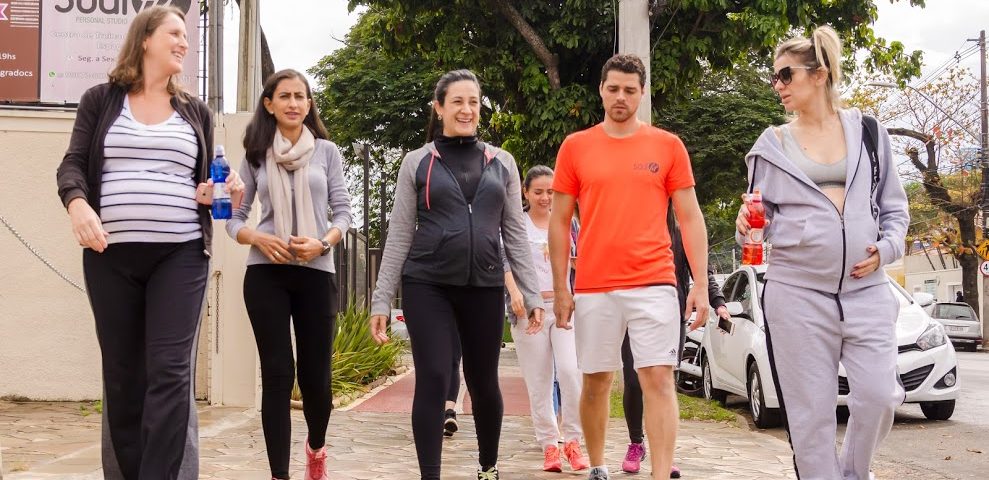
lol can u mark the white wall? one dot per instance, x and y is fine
(48, 348)
(48, 344)
(939, 279)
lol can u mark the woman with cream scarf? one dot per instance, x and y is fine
(296, 175)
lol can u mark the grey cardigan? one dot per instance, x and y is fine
(328, 187)
(815, 246)
(435, 236)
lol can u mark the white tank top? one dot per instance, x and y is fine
(539, 249)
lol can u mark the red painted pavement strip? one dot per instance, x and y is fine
(397, 397)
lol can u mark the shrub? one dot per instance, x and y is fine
(357, 360)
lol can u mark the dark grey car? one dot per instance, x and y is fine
(960, 322)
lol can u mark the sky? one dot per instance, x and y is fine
(300, 32)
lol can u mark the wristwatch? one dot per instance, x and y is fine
(326, 248)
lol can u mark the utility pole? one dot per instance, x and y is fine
(984, 157)
(633, 37)
(215, 56)
(249, 59)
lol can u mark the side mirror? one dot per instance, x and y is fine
(923, 299)
(734, 308)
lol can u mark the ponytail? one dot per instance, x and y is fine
(827, 50)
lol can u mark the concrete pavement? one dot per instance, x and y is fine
(371, 439)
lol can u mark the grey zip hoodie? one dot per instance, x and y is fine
(813, 245)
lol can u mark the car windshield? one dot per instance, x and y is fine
(949, 311)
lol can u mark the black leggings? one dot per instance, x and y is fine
(147, 300)
(454, 390)
(434, 315)
(273, 294)
(632, 396)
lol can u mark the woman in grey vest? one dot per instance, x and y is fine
(456, 198)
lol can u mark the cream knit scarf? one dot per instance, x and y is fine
(283, 157)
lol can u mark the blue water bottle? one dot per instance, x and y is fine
(219, 170)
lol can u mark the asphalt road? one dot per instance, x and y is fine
(921, 449)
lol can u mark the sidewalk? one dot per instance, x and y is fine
(370, 440)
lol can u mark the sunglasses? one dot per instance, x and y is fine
(785, 75)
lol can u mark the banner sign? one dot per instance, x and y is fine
(79, 41)
(20, 49)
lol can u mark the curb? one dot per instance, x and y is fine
(345, 401)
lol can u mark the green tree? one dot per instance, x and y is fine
(540, 61)
(368, 96)
(718, 124)
(941, 158)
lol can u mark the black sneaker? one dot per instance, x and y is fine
(489, 474)
(450, 425)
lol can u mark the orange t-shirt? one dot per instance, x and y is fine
(623, 188)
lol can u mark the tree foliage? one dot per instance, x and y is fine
(539, 64)
(719, 123)
(540, 61)
(930, 126)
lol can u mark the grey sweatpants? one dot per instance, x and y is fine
(811, 333)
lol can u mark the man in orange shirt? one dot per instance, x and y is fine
(623, 174)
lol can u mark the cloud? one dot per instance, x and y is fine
(939, 30)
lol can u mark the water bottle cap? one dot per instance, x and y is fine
(218, 151)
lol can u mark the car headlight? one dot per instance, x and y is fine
(933, 337)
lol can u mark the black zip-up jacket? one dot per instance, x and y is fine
(682, 269)
(81, 172)
(436, 236)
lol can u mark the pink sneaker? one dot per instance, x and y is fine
(551, 459)
(633, 458)
(576, 458)
(315, 463)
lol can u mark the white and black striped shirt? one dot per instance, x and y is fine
(149, 191)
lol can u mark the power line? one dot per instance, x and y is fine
(660, 37)
(956, 59)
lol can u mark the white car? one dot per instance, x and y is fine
(734, 358)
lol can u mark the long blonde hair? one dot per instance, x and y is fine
(823, 49)
(129, 71)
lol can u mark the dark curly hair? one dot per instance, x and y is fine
(625, 63)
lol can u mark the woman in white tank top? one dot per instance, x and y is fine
(545, 348)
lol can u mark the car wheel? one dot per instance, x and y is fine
(938, 410)
(711, 393)
(841, 413)
(763, 416)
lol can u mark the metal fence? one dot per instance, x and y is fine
(351, 265)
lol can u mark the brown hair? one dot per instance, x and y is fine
(821, 50)
(625, 63)
(129, 71)
(260, 132)
(435, 126)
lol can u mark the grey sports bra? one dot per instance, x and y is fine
(824, 175)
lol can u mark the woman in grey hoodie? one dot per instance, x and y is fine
(836, 213)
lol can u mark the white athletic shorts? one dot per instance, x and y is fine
(651, 315)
